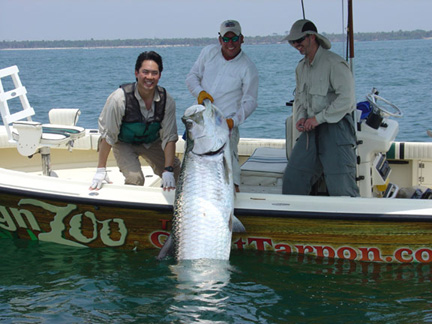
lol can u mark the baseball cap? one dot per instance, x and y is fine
(230, 26)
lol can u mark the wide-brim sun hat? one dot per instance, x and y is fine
(305, 27)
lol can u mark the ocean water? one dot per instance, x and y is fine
(47, 283)
(84, 78)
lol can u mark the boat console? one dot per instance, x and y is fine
(375, 134)
(373, 169)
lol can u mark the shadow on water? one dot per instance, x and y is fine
(42, 282)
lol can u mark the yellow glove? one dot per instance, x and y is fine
(230, 123)
(204, 95)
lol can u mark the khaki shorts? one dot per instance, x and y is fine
(127, 157)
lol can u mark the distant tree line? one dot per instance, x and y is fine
(251, 40)
(379, 36)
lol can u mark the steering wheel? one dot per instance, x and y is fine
(374, 98)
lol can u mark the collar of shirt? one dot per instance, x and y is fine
(156, 98)
(317, 56)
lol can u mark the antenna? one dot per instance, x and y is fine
(304, 16)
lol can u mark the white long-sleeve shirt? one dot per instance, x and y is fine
(233, 84)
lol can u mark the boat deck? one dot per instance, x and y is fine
(151, 179)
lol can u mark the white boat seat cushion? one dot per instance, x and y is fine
(74, 132)
(64, 116)
(265, 167)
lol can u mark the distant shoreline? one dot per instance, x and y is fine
(184, 42)
(86, 47)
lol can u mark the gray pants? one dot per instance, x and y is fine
(127, 157)
(328, 150)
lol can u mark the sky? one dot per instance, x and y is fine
(135, 19)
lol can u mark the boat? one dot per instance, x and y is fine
(46, 170)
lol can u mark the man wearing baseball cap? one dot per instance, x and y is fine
(226, 76)
(323, 106)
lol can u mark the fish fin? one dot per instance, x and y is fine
(237, 226)
(227, 161)
(227, 168)
(167, 249)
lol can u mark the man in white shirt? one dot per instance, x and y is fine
(226, 76)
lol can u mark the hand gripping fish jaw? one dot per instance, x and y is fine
(206, 127)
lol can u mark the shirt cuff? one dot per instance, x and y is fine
(320, 118)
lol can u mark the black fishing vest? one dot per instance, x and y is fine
(135, 129)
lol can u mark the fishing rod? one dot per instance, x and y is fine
(350, 35)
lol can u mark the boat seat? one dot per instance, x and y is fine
(29, 136)
(264, 168)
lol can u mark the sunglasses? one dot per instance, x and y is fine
(233, 39)
(298, 41)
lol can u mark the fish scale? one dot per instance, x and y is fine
(202, 209)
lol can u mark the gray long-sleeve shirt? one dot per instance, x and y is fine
(325, 88)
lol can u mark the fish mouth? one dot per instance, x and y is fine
(213, 152)
(206, 128)
(205, 146)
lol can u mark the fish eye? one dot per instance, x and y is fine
(189, 124)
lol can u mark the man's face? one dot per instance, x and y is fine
(231, 45)
(307, 45)
(148, 75)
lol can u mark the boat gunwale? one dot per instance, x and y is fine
(86, 201)
(238, 211)
(380, 217)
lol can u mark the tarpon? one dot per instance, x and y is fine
(203, 219)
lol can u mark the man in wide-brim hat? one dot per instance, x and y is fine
(323, 107)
